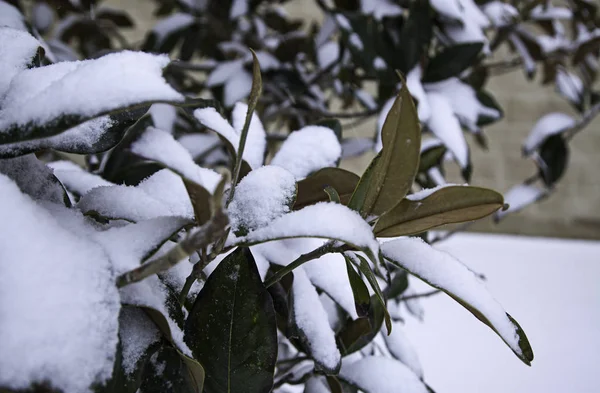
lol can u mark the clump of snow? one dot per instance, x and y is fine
(328, 53)
(43, 95)
(59, 305)
(75, 178)
(307, 150)
(171, 24)
(500, 13)
(160, 146)
(379, 63)
(343, 22)
(311, 319)
(569, 86)
(413, 82)
(42, 16)
(381, 8)
(547, 125)
(378, 374)
(17, 50)
(238, 8)
(224, 72)
(520, 196)
(549, 12)
(11, 17)
(168, 188)
(256, 143)
(137, 333)
(356, 41)
(401, 348)
(262, 196)
(33, 178)
(198, 144)
(443, 271)
(366, 99)
(163, 116)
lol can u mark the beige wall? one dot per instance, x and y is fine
(572, 211)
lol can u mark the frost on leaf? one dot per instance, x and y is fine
(381, 375)
(262, 196)
(59, 306)
(256, 142)
(137, 333)
(444, 272)
(307, 150)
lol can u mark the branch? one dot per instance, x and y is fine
(583, 122)
(201, 237)
(419, 295)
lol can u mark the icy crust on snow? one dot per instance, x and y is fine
(75, 178)
(326, 220)
(376, 374)
(33, 178)
(443, 271)
(256, 143)
(402, 349)
(42, 95)
(262, 196)
(160, 146)
(307, 150)
(547, 125)
(137, 333)
(310, 317)
(518, 197)
(59, 306)
(17, 50)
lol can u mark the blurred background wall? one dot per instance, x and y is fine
(573, 211)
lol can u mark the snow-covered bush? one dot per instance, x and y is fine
(156, 241)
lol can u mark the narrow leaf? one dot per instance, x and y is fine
(312, 189)
(364, 268)
(362, 299)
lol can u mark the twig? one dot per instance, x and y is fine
(419, 295)
(583, 122)
(201, 237)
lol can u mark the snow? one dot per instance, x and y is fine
(33, 178)
(163, 116)
(549, 124)
(424, 193)
(262, 196)
(366, 99)
(528, 60)
(379, 63)
(238, 8)
(548, 12)
(376, 374)
(75, 178)
(343, 22)
(518, 197)
(449, 8)
(380, 8)
(42, 16)
(551, 288)
(327, 220)
(402, 349)
(356, 41)
(160, 146)
(316, 384)
(464, 102)
(43, 95)
(68, 334)
(198, 144)
(551, 44)
(413, 82)
(137, 333)
(307, 150)
(328, 53)
(224, 72)
(499, 13)
(443, 271)
(381, 121)
(310, 317)
(237, 88)
(569, 85)
(17, 50)
(169, 25)
(11, 17)
(168, 188)
(445, 126)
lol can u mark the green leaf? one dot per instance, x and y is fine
(432, 157)
(333, 195)
(362, 299)
(312, 189)
(448, 205)
(364, 268)
(391, 174)
(416, 34)
(200, 198)
(452, 61)
(553, 159)
(170, 371)
(360, 332)
(231, 328)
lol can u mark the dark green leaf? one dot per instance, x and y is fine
(365, 269)
(554, 156)
(312, 189)
(362, 299)
(452, 61)
(398, 285)
(432, 157)
(231, 328)
(416, 34)
(168, 371)
(360, 332)
(448, 205)
(333, 195)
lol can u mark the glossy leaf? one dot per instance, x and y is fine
(362, 299)
(447, 205)
(452, 61)
(170, 371)
(312, 189)
(231, 328)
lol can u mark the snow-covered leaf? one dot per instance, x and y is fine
(17, 51)
(307, 150)
(431, 208)
(75, 178)
(45, 101)
(310, 318)
(550, 12)
(401, 348)
(262, 196)
(376, 374)
(162, 35)
(64, 340)
(232, 329)
(520, 196)
(444, 272)
(413, 81)
(569, 86)
(393, 171)
(362, 298)
(137, 333)
(548, 125)
(500, 13)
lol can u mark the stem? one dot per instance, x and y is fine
(201, 237)
(327, 248)
(419, 295)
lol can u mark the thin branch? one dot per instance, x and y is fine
(201, 237)
(419, 295)
(583, 122)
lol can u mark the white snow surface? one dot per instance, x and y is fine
(549, 124)
(413, 82)
(59, 305)
(262, 196)
(356, 41)
(343, 22)
(328, 53)
(445, 126)
(499, 13)
(160, 146)
(443, 271)
(17, 50)
(402, 349)
(569, 85)
(310, 317)
(549, 12)
(137, 332)
(377, 374)
(307, 150)
(237, 88)
(168, 188)
(163, 116)
(170, 24)
(520, 196)
(316, 384)
(75, 178)
(238, 8)
(380, 8)
(10, 16)
(44, 94)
